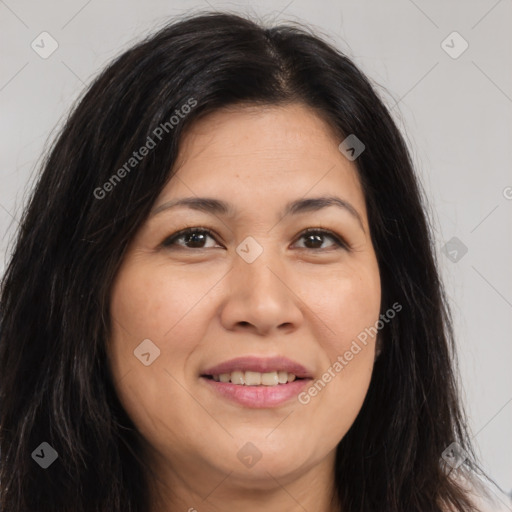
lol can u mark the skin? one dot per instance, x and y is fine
(301, 299)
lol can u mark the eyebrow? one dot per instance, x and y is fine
(219, 207)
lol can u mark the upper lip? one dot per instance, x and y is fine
(260, 364)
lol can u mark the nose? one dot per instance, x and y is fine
(260, 297)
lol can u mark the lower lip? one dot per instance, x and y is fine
(258, 397)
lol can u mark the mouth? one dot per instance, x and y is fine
(256, 382)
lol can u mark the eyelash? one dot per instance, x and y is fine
(170, 241)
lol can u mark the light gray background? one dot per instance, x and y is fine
(456, 115)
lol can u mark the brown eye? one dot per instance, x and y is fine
(315, 238)
(190, 238)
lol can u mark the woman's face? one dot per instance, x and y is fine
(200, 319)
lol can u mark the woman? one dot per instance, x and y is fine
(224, 292)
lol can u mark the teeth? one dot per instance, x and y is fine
(237, 377)
(252, 378)
(282, 377)
(255, 378)
(269, 379)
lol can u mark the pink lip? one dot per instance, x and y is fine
(259, 364)
(258, 397)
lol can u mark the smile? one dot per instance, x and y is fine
(257, 382)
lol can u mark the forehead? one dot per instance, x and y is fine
(292, 130)
(271, 153)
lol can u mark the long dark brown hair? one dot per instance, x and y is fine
(55, 385)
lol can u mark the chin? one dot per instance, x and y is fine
(258, 460)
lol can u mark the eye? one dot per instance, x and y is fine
(315, 239)
(193, 238)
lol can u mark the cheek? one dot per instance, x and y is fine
(348, 305)
(147, 304)
(350, 310)
(154, 301)
(168, 308)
